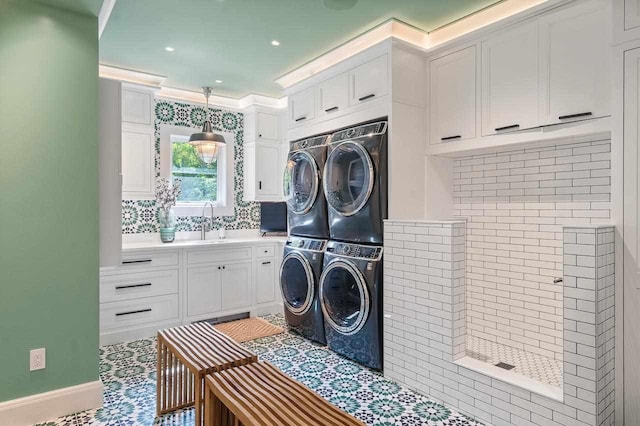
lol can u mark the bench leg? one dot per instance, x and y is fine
(159, 377)
(199, 387)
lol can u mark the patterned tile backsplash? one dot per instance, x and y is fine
(140, 216)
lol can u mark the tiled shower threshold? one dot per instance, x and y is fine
(535, 373)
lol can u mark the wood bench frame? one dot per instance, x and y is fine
(261, 395)
(185, 356)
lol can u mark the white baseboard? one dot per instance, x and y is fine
(49, 405)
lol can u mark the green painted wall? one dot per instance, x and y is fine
(48, 197)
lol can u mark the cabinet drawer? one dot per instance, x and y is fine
(195, 257)
(139, 311)
(135, 285)
(265, 251)
(150, 259)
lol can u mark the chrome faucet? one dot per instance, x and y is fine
(203, 227)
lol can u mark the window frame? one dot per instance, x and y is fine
(223, 206)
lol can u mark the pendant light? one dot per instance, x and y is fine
(206, 142)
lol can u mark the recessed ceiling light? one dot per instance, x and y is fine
(218, 81)
(169, 49)
(275, 42)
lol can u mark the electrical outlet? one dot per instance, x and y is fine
(37, 359)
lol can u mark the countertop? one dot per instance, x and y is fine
(187, 243)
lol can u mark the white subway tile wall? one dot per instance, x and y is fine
(424, 269)
(516, 203)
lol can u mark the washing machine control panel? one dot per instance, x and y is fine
(306, 243)
(356, 132)
(354, 250)
(308, 143)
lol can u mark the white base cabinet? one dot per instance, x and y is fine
(165, 287)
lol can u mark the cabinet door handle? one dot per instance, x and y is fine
(335, 108)
(120, 314)
(259, 184)
(223, 267)
(513, 126)
(369, 96)
(260, 135)
(266, 263)
(582, 114)
(219, 267)
(128, 262)
(122, 287)
(448, 138)
(301, 118)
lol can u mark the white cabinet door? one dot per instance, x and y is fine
(370, 80)
(138, 170)
(510, 80)
(265, 281)
(203, 290)
(574, 63)
(137, 106)
(302, 106)
(631, 14)
(452, 88)
(631, 230)
(236, 286)
(269, 174)
(267, 126)
(333, 95)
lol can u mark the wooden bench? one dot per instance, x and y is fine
(258, 394)
(185, 356)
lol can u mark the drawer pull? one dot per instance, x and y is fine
(140, 311)
(582, 114)
(335, 108)
(364, 98)
(266, 263)
(513, 126)
(448, 138)
(301, 118)
(122, 287)
(128, 262)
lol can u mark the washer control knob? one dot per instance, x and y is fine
(300, 243)
(345, 249)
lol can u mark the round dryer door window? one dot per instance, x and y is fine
(296, 280)
(344, 297)
(348, 178)
(301, 182)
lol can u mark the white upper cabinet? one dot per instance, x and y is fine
(510, 80)
(137, 105)
(302, 106)
(369, 80)
(263, 172)
(138, 163)
(333, 95)
(267, 126)
(452, 88)
(631, 14)
(574, 63)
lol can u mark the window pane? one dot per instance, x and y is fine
(199, 180)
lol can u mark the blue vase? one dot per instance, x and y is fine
(167, 221)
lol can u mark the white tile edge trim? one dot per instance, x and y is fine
(512, 378)
(37, 408)
(427, 221)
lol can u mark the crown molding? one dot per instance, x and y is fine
(104, 15)
(409, 34)
(155, 81)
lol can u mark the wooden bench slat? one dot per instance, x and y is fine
(258, 394)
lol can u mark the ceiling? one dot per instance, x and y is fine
(230, 40)
(84, 7)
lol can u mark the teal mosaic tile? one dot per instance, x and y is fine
(128, 371)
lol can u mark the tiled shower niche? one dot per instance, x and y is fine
(426, 333)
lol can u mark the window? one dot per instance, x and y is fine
(201, 182)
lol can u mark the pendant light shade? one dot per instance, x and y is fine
(206, 142)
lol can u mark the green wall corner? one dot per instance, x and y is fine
(48, 197)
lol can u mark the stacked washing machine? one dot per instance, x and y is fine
(347, 297)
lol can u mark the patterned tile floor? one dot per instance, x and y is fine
(538, 367)
(128, 373)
